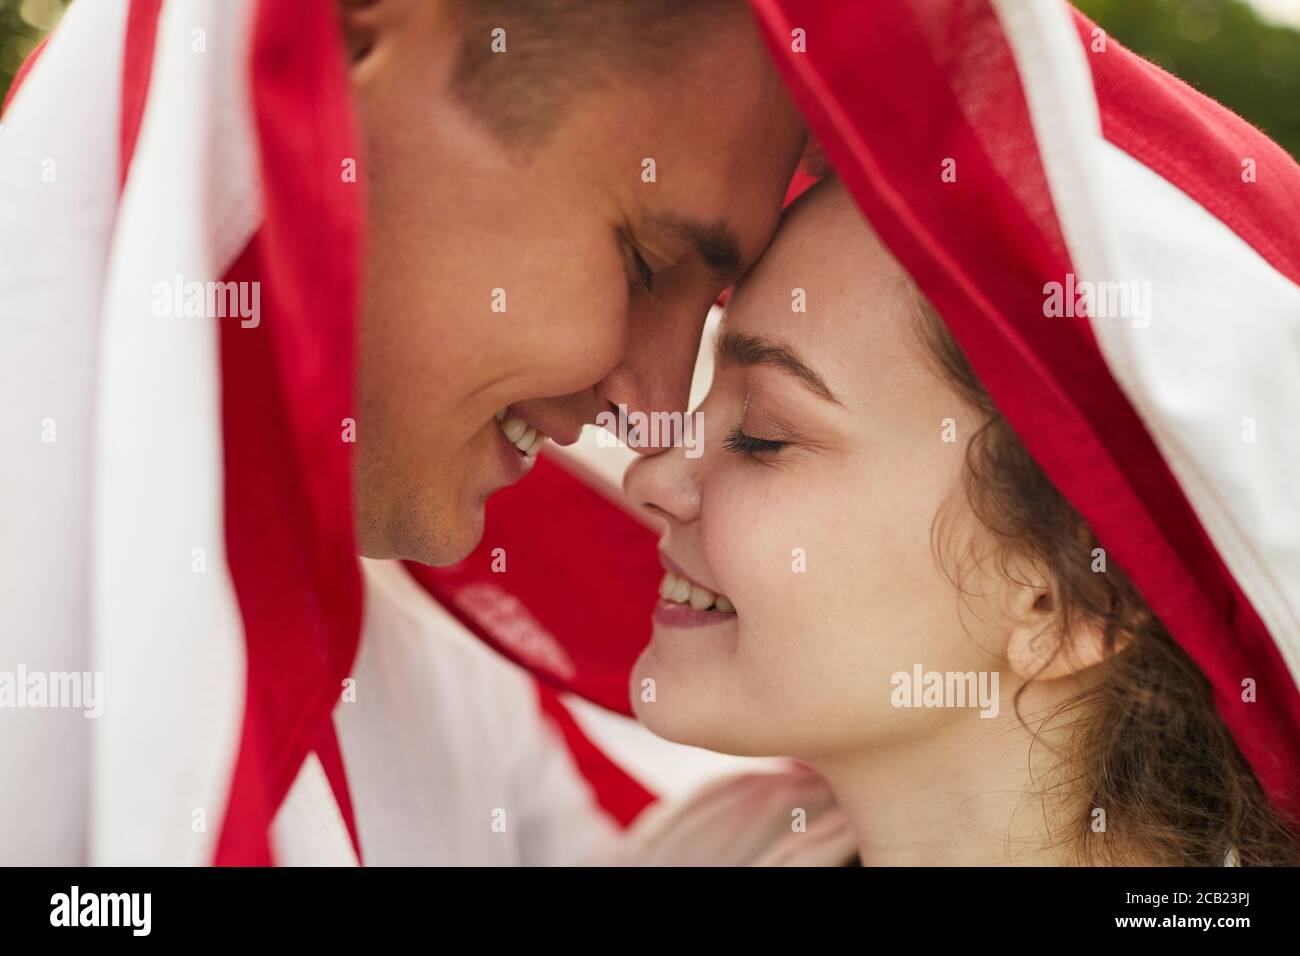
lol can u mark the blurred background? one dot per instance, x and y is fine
(22, 25)
(1244, 53)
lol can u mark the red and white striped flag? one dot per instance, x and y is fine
(178, 515)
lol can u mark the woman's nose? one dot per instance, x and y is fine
(664, 486)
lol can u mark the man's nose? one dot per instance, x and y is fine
(658, 364)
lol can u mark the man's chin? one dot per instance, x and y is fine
(433, 540)
(450, 548)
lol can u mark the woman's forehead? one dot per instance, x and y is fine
(828, 288)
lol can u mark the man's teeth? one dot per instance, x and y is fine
(681, 591)
(522, 435)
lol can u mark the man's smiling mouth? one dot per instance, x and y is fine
(519, 433)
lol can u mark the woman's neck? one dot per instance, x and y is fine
(974, 792)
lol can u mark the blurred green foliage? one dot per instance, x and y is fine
(1221, 47)
(22, 25)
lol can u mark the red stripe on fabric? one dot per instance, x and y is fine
(287, 387)
(23, 70)
(137, 67)
(1198, 145)
(618, 794)
(573, 605)
(982, 249)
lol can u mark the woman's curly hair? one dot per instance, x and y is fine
(1146, 742)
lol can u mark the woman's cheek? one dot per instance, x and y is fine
(760, 538)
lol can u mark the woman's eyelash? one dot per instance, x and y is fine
(742, 444)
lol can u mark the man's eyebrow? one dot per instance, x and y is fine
(739, 348)
(714, 242)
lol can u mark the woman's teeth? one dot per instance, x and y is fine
(522, 435)
(681, 591)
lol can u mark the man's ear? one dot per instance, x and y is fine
(364, 21)
(359, 24)
(1038, 649)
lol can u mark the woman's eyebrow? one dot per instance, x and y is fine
(744, 350)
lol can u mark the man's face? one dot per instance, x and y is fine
(499, 280)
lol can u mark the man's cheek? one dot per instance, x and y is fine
(579, 343)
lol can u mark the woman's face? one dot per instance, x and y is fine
(811, 509)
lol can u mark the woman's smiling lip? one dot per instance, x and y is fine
(684, 617)
(671, 565)
(689, 610)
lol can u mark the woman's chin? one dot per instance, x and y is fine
(680, 692)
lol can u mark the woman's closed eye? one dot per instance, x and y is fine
(741, 444)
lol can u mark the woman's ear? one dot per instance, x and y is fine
(1040, 646)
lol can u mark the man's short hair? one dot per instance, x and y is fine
(556, 50)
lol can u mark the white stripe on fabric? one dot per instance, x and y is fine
(169, 638)
(58, 196)
(309, 829)
(1220, 357)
